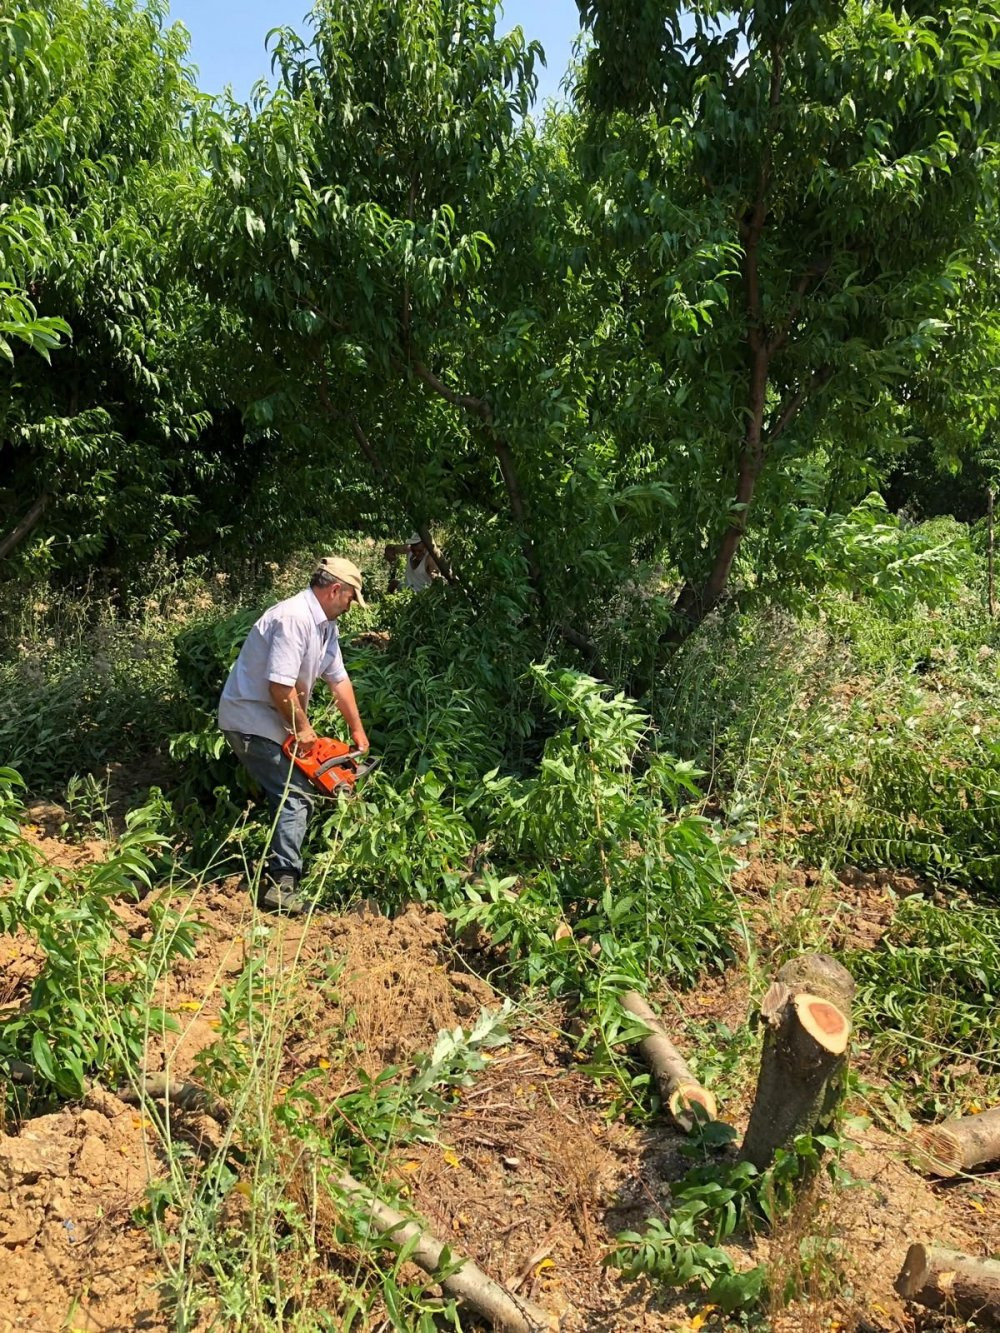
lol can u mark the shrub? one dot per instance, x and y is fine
(599, 839)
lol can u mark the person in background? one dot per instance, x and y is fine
(420, 571)
(266, 700)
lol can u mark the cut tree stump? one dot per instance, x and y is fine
(680, 1091)
(806, 1015)
(957, 1145)
(955, 1283)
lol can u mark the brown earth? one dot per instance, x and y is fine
(529, 1173)
(73, 1257)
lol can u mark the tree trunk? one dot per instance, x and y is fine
(18, 533)
(958, 1144)
(694, 604)
(681, 1093)
(990, 582)
(186, 1096)
(807, 1025)
(955, 1283)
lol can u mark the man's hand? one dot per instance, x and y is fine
(359, 738)
(343, 692)
(305, 739)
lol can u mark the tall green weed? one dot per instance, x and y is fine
(589, 868)
(862, 735)
(89, 1008)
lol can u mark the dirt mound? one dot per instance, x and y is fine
(74, 1257)
(46, 833)
(397, 981)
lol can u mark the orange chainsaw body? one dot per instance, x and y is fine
(331, 766)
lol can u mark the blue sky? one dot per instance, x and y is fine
(227, 37)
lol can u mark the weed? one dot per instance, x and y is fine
(264, 1228)
(85, 802)
(711, 1204)
(600, 840)
(856, 734)
(928, 996)
(90, 1001)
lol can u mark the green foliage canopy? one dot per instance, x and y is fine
(98, 433)
(806, 193)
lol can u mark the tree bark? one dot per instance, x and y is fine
(693, 603)
(469, 1284)
(955, 1283)
(807, 1026)
(958, 1144)
(681, 1093)
(18, 533)
(990, 581)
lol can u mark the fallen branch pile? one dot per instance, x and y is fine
(501, 1308)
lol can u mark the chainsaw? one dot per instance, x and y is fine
(331, 766)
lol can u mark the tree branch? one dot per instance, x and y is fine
(789, 408)
(781, 334)
(447, 573)
(411, 210)
(508, 470)
(30, 521)
(477, 406)
(505, 459)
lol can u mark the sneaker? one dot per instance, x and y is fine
(281, 895)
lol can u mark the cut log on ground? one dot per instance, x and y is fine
(186, 1096)
(499, 1307)
(806, 1015)
(469, 1284)
(681, 1093)
(957, 1145)
(956, 1283)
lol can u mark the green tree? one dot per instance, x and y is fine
(99, 441)
(805, 191)
(408, 251)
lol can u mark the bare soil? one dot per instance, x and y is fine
(529, 1174)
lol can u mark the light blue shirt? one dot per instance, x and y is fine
(292, 643)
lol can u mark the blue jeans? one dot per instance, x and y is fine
(289, 798)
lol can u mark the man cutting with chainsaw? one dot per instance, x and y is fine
(266, 699)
